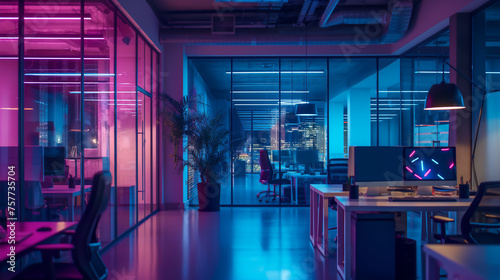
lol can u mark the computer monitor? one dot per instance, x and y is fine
(306, 158)
(376, 166)
(54, 161)
(430, 166)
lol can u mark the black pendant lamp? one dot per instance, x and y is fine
(444, 96)
(306, 109)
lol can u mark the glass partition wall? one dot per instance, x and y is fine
(359, 101)
(78, 97)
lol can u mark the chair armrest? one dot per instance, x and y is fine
(54, 247)
(442, 219)
(484, 225)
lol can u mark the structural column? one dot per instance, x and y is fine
(174, 75)
(358, 114)
(336, 133)
(461, 120)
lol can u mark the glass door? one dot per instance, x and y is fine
(143, 153)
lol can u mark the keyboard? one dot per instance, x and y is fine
(422, 198)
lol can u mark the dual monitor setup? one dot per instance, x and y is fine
(307, 158)
(424, 167)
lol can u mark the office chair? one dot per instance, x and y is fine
(87, 263)
(481, 221)
(337, 174)
(267, 177)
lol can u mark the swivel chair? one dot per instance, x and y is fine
(481, 221)
(87, 263)
(267, 177)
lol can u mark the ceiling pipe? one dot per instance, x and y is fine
(328, 13)
(308, 8)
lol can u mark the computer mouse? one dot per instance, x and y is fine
(44, 229)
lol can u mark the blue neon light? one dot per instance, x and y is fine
(440, 177)
(435, 161)
(414, 160)
(422, 164)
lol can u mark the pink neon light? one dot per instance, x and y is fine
(418, 176)
(407, 168)
(444, 150)
(427, 173)
(451, 165)
(46, 18)
(412, 153)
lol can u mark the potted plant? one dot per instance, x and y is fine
(177, 116)
(207, 149)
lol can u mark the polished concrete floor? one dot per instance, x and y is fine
(237, 243)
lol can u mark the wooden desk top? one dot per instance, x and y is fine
(382, 203)
(329, 190)
(36, 238)
(471, 261)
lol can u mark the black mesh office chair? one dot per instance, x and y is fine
(481, 222)
(87, 263)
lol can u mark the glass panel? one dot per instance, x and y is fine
(141, 60)
(353, 88)
(126, 127)
(390, 103)
(155, 126)
(430, 128)
(52, 125)
(209, 83)
(303, 144)
(99, 104)
(147, 68)
(255, 117)
(486, 70)
(9, 108)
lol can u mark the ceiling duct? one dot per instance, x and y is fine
(357, 15)
(377, 25)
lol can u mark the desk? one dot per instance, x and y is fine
(63, 191)
(297, 179)
(318, 214)
(345, 208)
(35, 239)
(479, 262)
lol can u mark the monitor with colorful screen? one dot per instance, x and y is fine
(435, 166)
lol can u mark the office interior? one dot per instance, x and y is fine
(83, 110)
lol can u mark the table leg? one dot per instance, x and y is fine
(340, 241)
(347, 245)
(319, 223)
(312, 217)
(432, 268)
(324, 209)
(71, 208)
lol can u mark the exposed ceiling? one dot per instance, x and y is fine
(282, 21)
